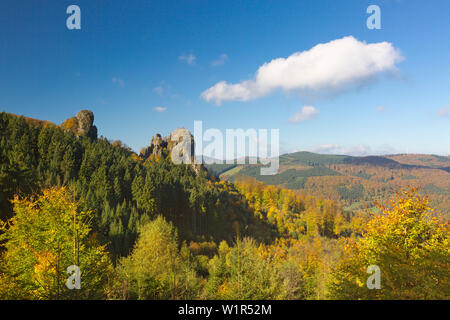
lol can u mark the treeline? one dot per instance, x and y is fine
(49, 233)
(122, 189)
(140, 227)
(296, 215)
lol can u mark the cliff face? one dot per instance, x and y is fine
(82, 125)
(179, 141)
(173, 146)
(158, 146)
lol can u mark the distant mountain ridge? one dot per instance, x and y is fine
(356, 181)
(307, 158)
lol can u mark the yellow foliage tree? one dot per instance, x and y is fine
(410, 247)
(46, 236)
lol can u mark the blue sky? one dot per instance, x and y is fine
(130, 58)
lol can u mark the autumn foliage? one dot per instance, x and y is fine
(411, 248)
(47, 235)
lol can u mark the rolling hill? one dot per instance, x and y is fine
(356, 181)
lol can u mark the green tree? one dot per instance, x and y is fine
(244, 272)
(157, 269)
(48, 234)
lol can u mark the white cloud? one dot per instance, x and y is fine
(158, 90)
(358, 150)
(380, 109)
(326, 148)
(160, 109)
(189, 59)
(119, 81)
(326, 68)
(306, 113)
(220, 60)
(444, 112)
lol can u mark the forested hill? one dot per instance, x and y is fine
(122, 188)
(141, 227)
(357, 182)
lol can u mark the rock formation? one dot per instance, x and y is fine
(179, 146)
(158, 145)
(181, 143)
(82, 125)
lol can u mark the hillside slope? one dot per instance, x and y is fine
(356, 181)
(123, 189)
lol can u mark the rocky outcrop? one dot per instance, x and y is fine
(158, 145)
(179, 146)
(86, 123)
(82, 125)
